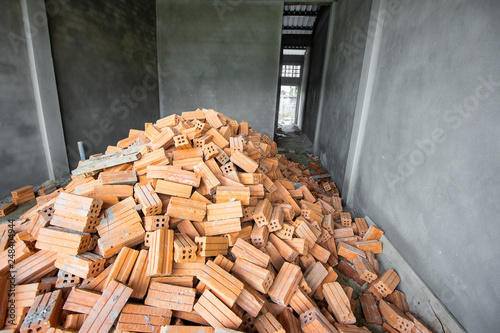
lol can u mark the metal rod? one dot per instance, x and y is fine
(81, 150)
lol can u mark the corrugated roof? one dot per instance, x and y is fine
(301, 8)
(299, 19)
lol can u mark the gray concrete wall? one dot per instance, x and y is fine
(315, 73)
(106, 70)
(428, 172)
(222, 55)
(22, 157)
(341, 85)
(429, 153)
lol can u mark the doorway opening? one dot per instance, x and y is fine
(288, 104)
(297, 38)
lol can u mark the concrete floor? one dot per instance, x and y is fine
(295, 144)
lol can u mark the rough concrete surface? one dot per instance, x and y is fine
(428, 172)
(106, 71)
(341, 85)
(221, 57)
(22, 158)
(314, 75)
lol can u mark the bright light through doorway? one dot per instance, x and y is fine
(288, 104)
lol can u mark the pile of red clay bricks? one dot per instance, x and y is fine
(195, 224)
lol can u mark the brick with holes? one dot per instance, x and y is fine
(364, 269)
(373, 233)
(350, 252)
(370, 309)
(313, 321)
(215, 312)
(387, 282)
(66, 280)
(285, 284)
(306, 231)
(224, 210)
(222, 284)
(107, 309)
(201, 141)
(143, 318)
(370, 246)
(243, 234)
(147, 197)
(339, 303)
(330, 277)
(222, 157)
(155, 222)
(173, 174)
(395, 317)
(222, 262)
(286, 232)
(276, 221)
(85, 265)
(233, 193)
(298, 244)
(236, 143)
(320, 253)
(76, 212)
(345, 219)
(361, 225)
(164, 139)
(171, 297)
(156, 157)
(210, 150)
(222, 227)
(250, 178)
(251, 301)
(81, 300)
(257, 277)
(259, 236)
(161, 253)
(190, 209)
(62, 240)
(267, 323)
(209, 181)
(188, 228)
(7, 209)
(244, 162)
(276, 259)
(286, 251)
(212, 246)
(182, 142)
(398, 298)
(184, 248)
(262, 212)
(250, 253)
(122, 267)
(301, 302)
(174, 189)
(44, 313)
(22, 195)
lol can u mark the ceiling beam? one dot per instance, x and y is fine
(297, 28)
(296, 40)
(300, 14)
(309, 2)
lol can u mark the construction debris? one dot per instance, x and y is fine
(195, 223)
